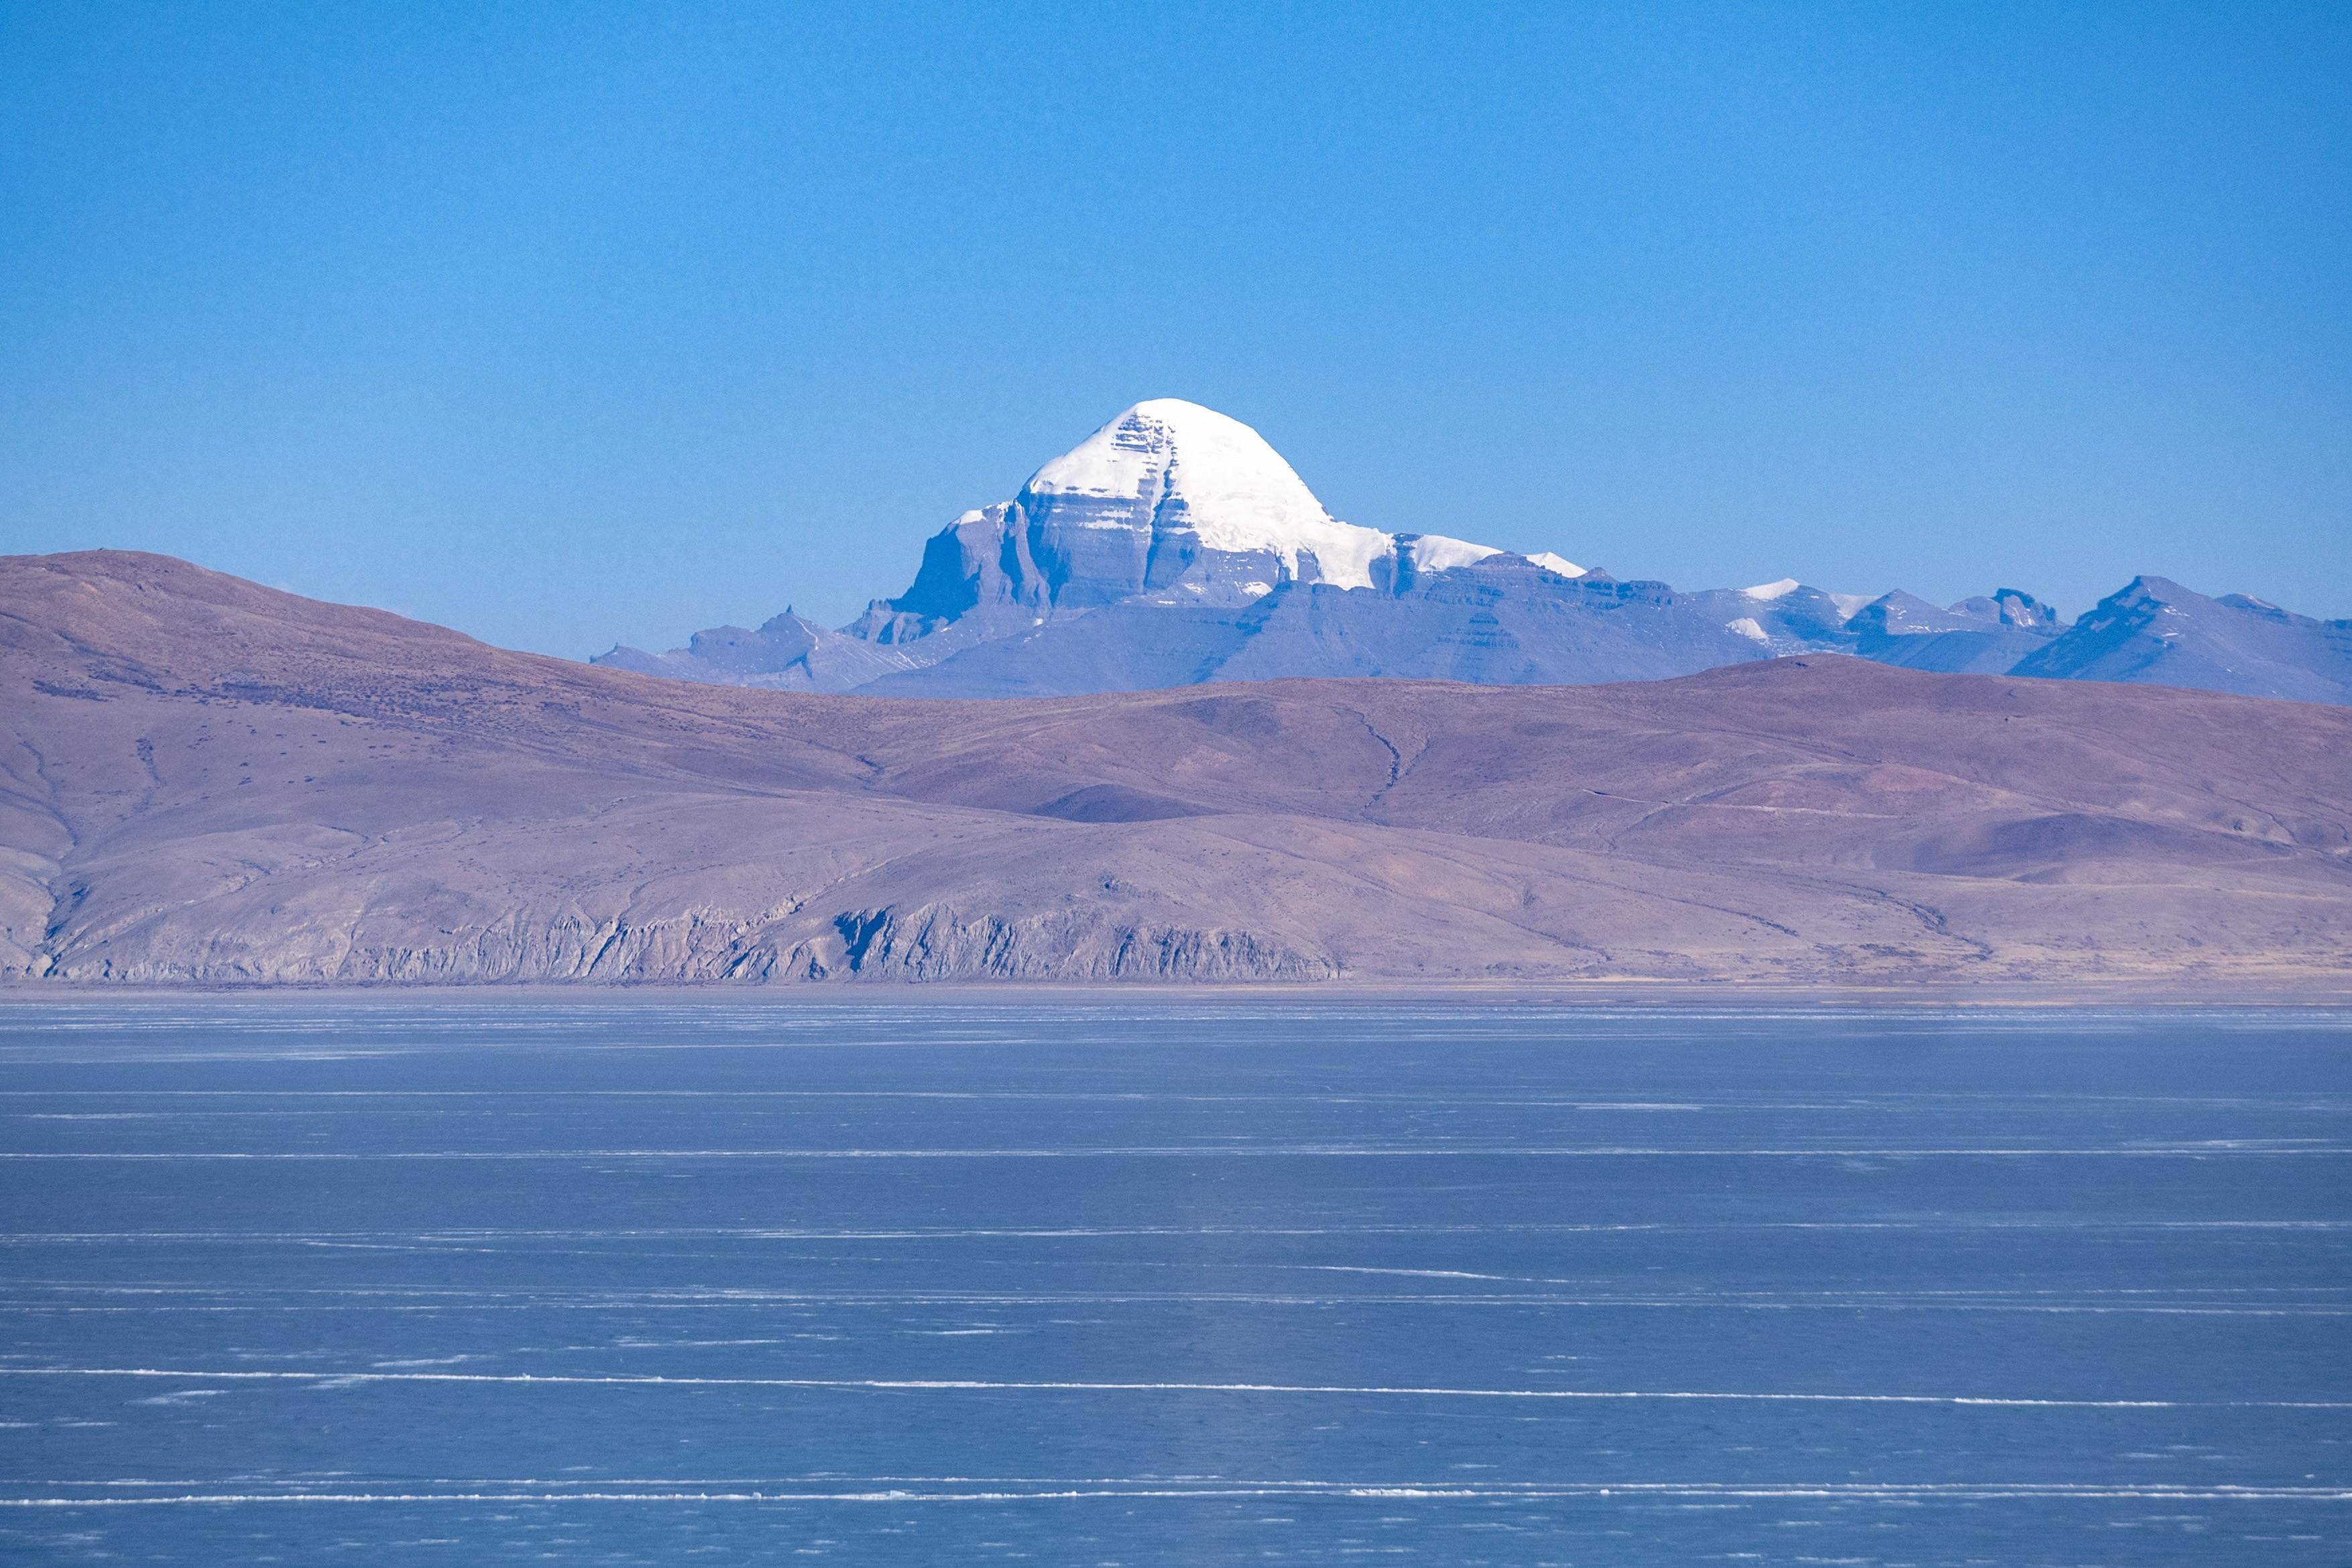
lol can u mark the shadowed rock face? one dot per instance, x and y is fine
(207, 781)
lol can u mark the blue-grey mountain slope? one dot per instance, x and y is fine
(1501, 621)
(787, 653)
(2155, 632)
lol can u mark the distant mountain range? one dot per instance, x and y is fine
(1174, 547)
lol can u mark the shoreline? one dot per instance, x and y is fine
(2317, 994)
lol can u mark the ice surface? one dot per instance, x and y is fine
(1403, 1280)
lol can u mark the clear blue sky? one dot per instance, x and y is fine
(569, 323)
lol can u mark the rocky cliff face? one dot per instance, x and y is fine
(203, 782)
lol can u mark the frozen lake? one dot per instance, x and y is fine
(650, 1279)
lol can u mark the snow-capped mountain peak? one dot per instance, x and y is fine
(1168, 465)
(1164, 446)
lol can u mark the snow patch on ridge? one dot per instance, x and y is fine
(1553, 562)
(1435, 552)
(1849, 605)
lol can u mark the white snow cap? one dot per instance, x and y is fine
(1769, 590)
(1556, 563)
(1435, 552)
(1216, 476)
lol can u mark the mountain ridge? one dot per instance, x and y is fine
(1214, 561)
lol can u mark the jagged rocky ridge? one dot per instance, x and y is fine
(1174, 547)
(204, 781)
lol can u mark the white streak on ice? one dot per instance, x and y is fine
(964, 1384)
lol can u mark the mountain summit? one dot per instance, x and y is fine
(1172, 474)
(1174, 546)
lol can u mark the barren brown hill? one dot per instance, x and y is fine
(207, 781)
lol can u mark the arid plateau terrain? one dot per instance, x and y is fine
(205, 782)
